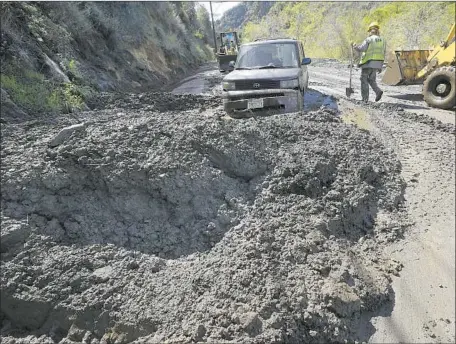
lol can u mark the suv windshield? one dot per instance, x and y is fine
(268, 55)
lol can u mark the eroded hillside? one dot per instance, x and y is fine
(56, 55)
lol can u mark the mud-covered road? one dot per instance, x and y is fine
(155, 218)
(332, 77)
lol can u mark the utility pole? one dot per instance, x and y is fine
(213, 29)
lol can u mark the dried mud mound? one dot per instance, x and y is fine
(170, 227)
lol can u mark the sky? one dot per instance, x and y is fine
(219, 7)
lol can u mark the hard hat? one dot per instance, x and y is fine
(372, 25)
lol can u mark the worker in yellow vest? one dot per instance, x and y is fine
(373, 55)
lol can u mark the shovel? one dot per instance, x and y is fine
(349, 90)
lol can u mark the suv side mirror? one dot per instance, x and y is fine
(232, 63)
(306, 61)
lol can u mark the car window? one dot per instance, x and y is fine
(279, 55)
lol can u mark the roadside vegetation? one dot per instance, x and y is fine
(327, 28)
(55, 56)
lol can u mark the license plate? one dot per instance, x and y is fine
(255, 103)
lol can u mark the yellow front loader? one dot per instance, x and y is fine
(228, 50)
(435, 69)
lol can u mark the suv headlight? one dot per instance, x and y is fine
(289, 83)
(228, 85)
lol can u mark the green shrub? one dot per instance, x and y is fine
(32, 92)
(72, 66)
(198, 35)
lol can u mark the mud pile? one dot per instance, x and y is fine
(173, 227)
(156, 101)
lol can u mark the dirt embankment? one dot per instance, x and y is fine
(156, 224)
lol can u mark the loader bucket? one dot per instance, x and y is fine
(403, 66)
(224, 62)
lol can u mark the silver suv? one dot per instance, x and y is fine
(268, 75)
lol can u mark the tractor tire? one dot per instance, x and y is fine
(439, 88)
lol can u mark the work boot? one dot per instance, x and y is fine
(379, 96)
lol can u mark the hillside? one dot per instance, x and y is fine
(56, 55)
(327, 28)
(236, 17)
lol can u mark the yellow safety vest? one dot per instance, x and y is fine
(375, 51)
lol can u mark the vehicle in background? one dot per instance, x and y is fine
(269, 75)
(435, 69)
(227, 50)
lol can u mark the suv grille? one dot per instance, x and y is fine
(253, 96)
(260, 84)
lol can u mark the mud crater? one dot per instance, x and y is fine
(174, 216)
(160, 206)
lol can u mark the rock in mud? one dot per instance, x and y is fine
(65, 134)
(341, 299)
(13, 233)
